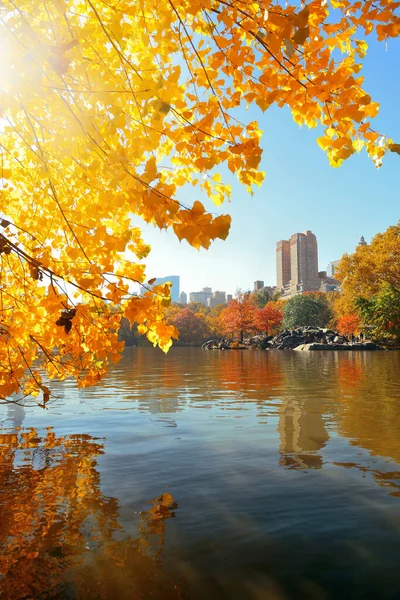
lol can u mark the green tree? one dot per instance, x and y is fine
(261, 297)
(307, 309)
(381, 312)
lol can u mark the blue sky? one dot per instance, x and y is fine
(301, 191)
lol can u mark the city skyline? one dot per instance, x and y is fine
(207, 290)
(301, 191)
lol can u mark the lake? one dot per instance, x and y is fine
(207, 474)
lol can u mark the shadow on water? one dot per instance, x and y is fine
(285, 467)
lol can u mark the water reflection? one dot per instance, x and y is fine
(285, 466)
(60, 536)
(302, 434)
(354, 394)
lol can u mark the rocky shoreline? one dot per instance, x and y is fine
(302, 339)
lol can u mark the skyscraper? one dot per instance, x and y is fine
(183, 298)
(297, 263)
(201, 296)
(217, 298)
(282, 264)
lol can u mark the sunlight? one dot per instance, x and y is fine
(8, 58)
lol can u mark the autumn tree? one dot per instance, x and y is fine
(381, 312)
(107, 110)
(239, 316)
(307, 309)
(213, 320)
(193, 328)
(370, 267)
(349, 324)
(371, 282)
(269, 318)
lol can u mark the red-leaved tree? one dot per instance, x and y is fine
(239, 316)
(269, 318)
(192, 329)
(349, 324)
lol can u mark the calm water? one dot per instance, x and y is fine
(207, 475)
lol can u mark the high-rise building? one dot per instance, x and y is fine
(332, 268)
(201, 296)
(217, 298)
(297, 264)
(174, 279)
(282, 264)
(183, 298)
(229, 298)
(258, 285)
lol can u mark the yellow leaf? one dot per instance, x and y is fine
(358, 145)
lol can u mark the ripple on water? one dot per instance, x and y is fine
(207, 475)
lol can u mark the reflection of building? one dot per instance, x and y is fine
(182, 298)
(217, 298)
(297, 264)
(201, 296)
(302, 434)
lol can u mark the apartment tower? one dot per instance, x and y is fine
(297, 263)
(282, 264)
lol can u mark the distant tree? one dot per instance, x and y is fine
(213, 320)
(307, 309)
(370, 267)
(276, 296)
(239, 316)
(349, 324)
(371, 283)
(192, 328)
(381, 312)
(269, 318)
(196, 307)
(128, 333)
(261, 297)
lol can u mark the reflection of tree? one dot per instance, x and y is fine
(58, 532)
(153, 380)
(368, 409)
(255, 375)
(357, 391)
(387, 479)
